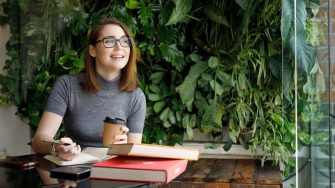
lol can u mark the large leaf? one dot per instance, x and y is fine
(180, 11)
(212, 118)
(215, 15)
(305, 53)
(287, 19)
(187, 88)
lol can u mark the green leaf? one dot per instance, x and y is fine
(79, 63)
(131, 4)
(154, 88)
(243, 143)
(158, 106)
(212, 118)
(287, 19)
(242, 81)
(213, 62)
(166, 124)
(223, 76)
(157, 77)
(195, 57)
(227, 146)
(242, 3)
(180, 11)
(193, 121)
(172, 117)
(216, 87)
(187, 88)
(305, 53)
(169, 52)
(164, 114)
(155, 97)
(304, 137)
(189, 132)
(207, 76)
(215, 15)
(186, 121)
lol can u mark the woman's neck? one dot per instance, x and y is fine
(109, 76)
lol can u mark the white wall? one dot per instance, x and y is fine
(14, 134)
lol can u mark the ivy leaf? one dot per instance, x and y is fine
(180, 11)
(304, 137)
(79, 63)
(131, 4)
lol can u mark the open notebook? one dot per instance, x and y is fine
(88, 155)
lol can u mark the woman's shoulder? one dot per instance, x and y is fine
(138, 93)
(70, 77)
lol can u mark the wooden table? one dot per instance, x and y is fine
(228, 173)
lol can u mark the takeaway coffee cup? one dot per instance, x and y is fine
(112, 127)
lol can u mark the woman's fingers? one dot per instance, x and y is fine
(122, 139)
(68, 152)
(124, 129)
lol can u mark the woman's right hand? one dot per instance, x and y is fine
(67, 152)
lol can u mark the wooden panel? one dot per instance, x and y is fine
(179, 184)
(245, 172)
(242, 185)
(268, 186)
(198, 171)
(217, 185)
(268, 174)
(222, 171)
(228, 173)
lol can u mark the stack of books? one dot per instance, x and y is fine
(143, 163)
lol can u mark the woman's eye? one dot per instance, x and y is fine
(109, 41)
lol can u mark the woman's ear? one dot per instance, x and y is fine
(91, 50)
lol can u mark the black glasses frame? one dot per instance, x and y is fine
(116, 40)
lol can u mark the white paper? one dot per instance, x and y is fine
(88, 155)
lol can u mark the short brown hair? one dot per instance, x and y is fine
(129, 81)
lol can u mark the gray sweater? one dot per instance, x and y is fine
(84, 112)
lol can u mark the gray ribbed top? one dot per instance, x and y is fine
(84, 112)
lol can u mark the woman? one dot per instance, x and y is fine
(107, 87)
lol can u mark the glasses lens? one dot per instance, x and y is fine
(125, 41)
(109, 42)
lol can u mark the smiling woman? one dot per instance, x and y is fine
(107, 87)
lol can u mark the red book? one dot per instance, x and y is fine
(138, 169)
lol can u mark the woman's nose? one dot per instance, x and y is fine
(118, 45)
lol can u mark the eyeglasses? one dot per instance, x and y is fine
(110, 42)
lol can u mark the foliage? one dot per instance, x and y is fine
(208, 65)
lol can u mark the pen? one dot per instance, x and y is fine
(55, 142)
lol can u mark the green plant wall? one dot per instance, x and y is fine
(214, 65)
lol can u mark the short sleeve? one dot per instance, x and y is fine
(59, 97)
(135, 121)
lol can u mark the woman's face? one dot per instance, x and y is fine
(109, 61)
